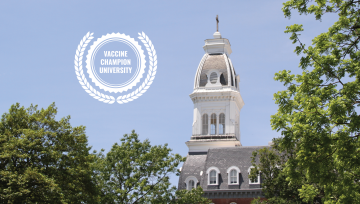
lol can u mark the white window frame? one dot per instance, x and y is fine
(237, 175)
(224, 124)
(189, 178)
(205, 122)
(250, 182)
(217, 175)
(215, 125)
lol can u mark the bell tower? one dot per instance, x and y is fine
(216, 97)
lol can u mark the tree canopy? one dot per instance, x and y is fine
(277, 189)
(318, 114)
(137, 172)
(43, 160)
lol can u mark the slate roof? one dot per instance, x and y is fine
(213, 62)
(222, 158)
(193, 165)
(217, 62)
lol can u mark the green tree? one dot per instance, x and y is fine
(193, 196)
(136, 172)
(277, 189)
(318, 112)
(44, 160)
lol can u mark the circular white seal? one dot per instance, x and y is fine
(111, 87)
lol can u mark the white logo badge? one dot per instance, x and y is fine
(116, 64)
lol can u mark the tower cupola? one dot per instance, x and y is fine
(216, 97)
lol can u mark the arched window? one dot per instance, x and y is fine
(222, 124)
(233, 175)
(205, 124)
(213, 124)
(256, 180)
(213, 177)
(222, 80)
(191, 184)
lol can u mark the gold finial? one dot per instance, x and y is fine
(217, 23)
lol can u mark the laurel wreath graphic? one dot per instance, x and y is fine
(151, 73)
(110, 99)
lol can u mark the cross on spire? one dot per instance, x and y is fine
(217, 23)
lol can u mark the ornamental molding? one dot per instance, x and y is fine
(228, 95)
(213, 168)
(211, 111)
(191, 178)
(245, 193)
(233, 167)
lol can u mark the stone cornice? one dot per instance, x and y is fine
(223, 94)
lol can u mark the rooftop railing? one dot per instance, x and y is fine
(228, 136)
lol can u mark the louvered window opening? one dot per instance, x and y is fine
(233, 176)
(213, 124)
(205, 124)
(222, 124)
(213, 78)
(213, 177)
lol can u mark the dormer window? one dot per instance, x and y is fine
(191, 182)
(233, 175)
(213, 175)
(256, 180)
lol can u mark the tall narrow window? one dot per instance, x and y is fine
(213, 124)
(233, 176)
(256, 180)
(213, 177)
(191, 184)
(205, 124)
(222, 124)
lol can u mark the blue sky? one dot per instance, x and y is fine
(38, 40)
